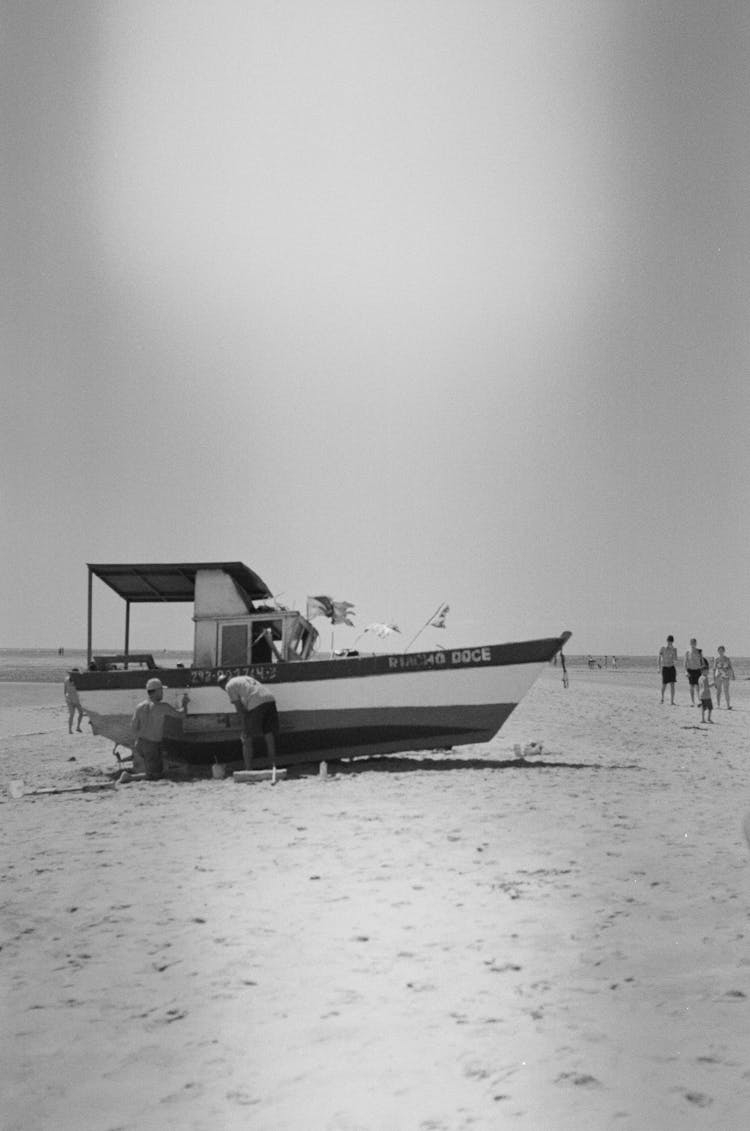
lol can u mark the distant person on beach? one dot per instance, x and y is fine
(667, 661)
(693, 667)
(256, 706)
(704, 691)
(74, 703)
(148, 727)
(723, 675)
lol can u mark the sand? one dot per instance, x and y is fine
(410, 944)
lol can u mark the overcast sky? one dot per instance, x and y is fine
(398, 302)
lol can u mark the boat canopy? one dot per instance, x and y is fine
(175, 582)
(172, 582)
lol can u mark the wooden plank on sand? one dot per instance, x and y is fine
(251, 776)
(20, 789)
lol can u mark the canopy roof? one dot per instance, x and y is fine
(174, 582)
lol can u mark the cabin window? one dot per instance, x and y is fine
(234, 645)
(262, 650)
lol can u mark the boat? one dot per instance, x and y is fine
(329, 708)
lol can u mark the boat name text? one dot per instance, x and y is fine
(452, 659)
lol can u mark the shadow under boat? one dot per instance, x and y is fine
(402, 764)
(441, 762)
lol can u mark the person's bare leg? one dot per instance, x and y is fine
(247, 751)
(271, 747)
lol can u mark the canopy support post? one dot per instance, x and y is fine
(88, 637)
(127, 632)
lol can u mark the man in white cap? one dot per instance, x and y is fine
(148, 727)
(256, 707)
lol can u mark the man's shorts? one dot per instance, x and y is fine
(149, 753)
(693, 675)
(669, 675)
(261, 720)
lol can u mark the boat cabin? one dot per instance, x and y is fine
(234, 627)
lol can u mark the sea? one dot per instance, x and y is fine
(51, 665)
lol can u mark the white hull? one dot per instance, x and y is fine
(337, 708)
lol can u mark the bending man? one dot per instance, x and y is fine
(256, 707)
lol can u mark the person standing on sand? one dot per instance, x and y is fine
(74, 703)
(667, 661)
(704, 691)
(148, 728)
(693, 667)
(256, 706)
(723, 674)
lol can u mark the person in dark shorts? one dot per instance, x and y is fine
(693, 668)
(256, 707)
(704, 690)
(667, 661)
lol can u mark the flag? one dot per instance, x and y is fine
(438, 621)
(382, 630)
(338, 612)
(319, 607)
(342, 610)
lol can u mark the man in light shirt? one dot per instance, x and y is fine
(256, 707)
(148, 728)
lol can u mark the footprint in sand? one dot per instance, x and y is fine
(700, 1099)
(191, 1089)
(243, 1098)
(580, 1079)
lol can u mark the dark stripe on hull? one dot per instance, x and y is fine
(347, 734)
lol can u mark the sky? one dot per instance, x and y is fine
(404, 302)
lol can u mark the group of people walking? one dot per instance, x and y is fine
(698, 672)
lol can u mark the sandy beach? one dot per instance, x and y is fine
(470, 941)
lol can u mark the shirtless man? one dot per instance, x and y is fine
(693, 667)
(667, 661)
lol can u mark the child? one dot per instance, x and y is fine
(704, 693)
